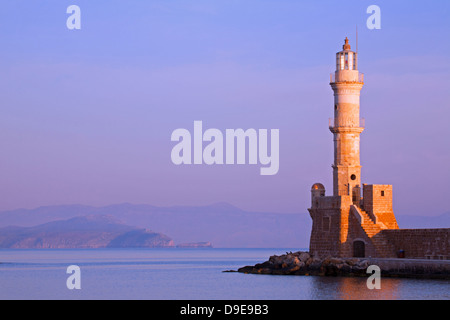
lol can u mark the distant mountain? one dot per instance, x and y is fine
(93, 231)
(222, 224)
(33, 217)
(141, 238)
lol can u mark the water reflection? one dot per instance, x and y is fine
(349, 288)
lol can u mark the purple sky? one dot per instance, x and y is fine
(86, 116)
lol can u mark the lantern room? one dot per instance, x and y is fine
(346, 59)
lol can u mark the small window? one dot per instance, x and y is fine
(382, 193)
(353, 177)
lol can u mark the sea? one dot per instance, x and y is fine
(184, 274)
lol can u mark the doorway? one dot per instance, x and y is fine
(359, 249)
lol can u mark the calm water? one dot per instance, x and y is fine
(192, 274)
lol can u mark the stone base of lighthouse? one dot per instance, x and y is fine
(368, 228)
(343, 228)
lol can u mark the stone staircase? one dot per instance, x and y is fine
(382, 247)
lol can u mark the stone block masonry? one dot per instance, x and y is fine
(420, 243)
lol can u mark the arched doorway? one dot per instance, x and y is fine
(359, 249)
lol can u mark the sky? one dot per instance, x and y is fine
(86, 115)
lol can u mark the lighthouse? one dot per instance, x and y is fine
(350, 223)
(346, 125)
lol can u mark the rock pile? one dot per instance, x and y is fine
(302, 263)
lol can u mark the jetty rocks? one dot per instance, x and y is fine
(302, 263)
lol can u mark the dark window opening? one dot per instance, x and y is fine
(353, 177)
(382, 193)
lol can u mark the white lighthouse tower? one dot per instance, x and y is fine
(346, 126)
